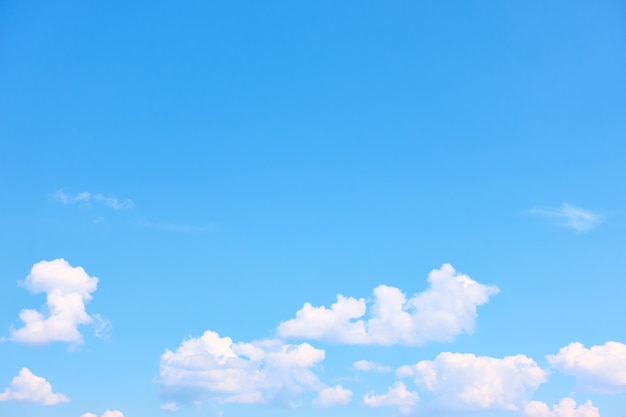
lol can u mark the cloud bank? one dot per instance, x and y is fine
(565, 408)
(465, 382)
(213, 368)
(445, 309)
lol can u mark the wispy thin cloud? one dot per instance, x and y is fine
(576, 218)
(86, 197)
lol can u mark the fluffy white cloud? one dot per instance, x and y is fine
(211, 367)
(67, 290)
(107, 413)
(397, 395)
(463, 381)
(369, 366)
(336, 395)
(446, 309)
(86, 198)
(599, 368)
(565, 408)
(29, 387)
(576, 218)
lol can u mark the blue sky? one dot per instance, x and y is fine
(288, 209)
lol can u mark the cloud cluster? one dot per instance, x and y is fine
(67, 290)
(29, 387)
(465, 382)
(565, 408)
(397, 395)
(444, 310)
(86, 198)
(211, 367)
(599, 368)
(575, 218)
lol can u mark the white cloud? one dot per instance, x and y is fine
(446, 309)
(29, 387)
(565, 408)
(336, 395)
(369, 366)
(465, 382)
(214, 368)
(114, 413)
(67, 290)
(576, 218)
(397, 395)
(169, 406)
(87, 197)
(599, 368)
(107, 413)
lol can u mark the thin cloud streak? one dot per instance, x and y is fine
(86, 197)
(572, 217)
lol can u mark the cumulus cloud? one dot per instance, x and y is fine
(576, 218)
(444, 310)
(565, 408)
(87, 197)
(336, 395)
(465, 382)
(29, 387)
(214, 368)
(107, 413)
(600, 368)
(369, 366)
(67, 290)
(397, 395)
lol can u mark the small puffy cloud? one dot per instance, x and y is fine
(213, 368)
(369, 366)
(29, 387)
(465, 382)
(444, 310)
(600, 368)
(107, 413)
(397, 395)
(565, 408)
(575, 218)
(67, 289)
(331, 396)
(87, 197)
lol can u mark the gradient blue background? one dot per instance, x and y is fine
(282, 152)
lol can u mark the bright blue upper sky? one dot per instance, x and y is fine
(217, 165)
